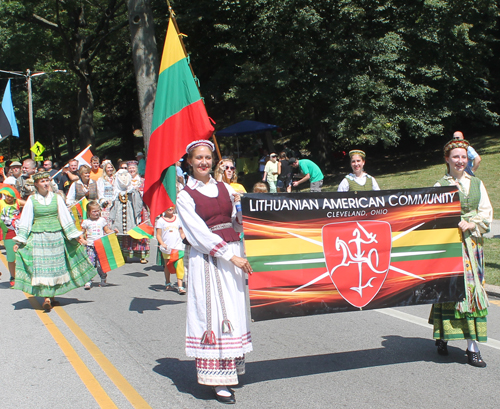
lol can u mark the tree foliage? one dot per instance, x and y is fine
(333, 73)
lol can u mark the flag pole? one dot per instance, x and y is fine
(172, 16)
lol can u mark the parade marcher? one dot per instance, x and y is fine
(85, 187)
(93, 228)
(466, 319)
(137, 181)
(311, 172)
(67, 176)
(170, 235)
(217, 325)
(226, 172)
(50, 259)
(10, 209)
(125, 214)
(95, 168)
(25, 185)
(358, 180)
(271, 172)
(105, 189)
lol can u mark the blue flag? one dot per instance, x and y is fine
(8, 124)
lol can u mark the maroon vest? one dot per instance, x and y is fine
(216, 212)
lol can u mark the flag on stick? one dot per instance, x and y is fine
(141, 231)
(84, 157)
(8, 124)
(179, 118)
(79, 212)
(108, 252)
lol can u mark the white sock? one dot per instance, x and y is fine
(472, 346)
(222, 391)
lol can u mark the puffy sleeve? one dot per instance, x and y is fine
(100, 190)
(484, 215)
(25, 222)
(375, 184)
(71, 196)
(197, 232)
(67, 223)
(344, 186)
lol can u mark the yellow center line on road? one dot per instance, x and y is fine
(99, 394)
(118, 379)
(496, 302)
(88, 379)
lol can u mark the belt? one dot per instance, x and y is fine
(221, 226)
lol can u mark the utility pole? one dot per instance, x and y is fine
(28, 76)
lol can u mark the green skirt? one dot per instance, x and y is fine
(50, 265)
(448, 328)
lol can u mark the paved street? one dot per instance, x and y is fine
(123, 346)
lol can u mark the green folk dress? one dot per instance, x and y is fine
(49, 262)
(467, 318)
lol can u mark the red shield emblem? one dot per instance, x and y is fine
(358, 256)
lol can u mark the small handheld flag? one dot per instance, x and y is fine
(109, 253)
(141, 231)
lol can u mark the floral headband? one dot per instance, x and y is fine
(456, 143)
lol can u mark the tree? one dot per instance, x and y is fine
(80, 29)
(145, 56)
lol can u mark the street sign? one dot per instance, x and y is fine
(38, 148)
(39, 158)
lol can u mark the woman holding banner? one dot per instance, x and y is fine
(50, 260)
(466, 319)
(358, 180)
(217, 327)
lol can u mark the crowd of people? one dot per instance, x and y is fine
(38, 201)
(204, 233)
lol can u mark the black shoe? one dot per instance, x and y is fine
(442, 347)
(224, 399)
(474, 359)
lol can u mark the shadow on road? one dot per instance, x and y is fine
(24, 304)
(395, 350)
(150, 304)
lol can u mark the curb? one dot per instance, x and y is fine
(492, 290)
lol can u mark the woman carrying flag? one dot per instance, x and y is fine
(217, 330)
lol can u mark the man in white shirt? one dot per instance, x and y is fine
(474, 158)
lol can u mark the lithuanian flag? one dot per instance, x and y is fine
(141, 231)
(179, 118)
(109, 252)
(79, 212)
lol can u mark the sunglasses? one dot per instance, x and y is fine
(230, 167)
(274, 156)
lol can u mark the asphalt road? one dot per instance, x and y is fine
(123, 346)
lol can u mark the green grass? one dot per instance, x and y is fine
(492, 257)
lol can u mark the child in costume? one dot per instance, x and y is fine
(93, 229)
(10, 213)
(170, 235)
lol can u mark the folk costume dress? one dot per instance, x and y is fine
(105, 195)
(467, 319)
(125, 214)
(48, 261)
(217, 327)
(78, 191)
(352, 183)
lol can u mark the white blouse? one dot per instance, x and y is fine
(27, 215)
(197, 232)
